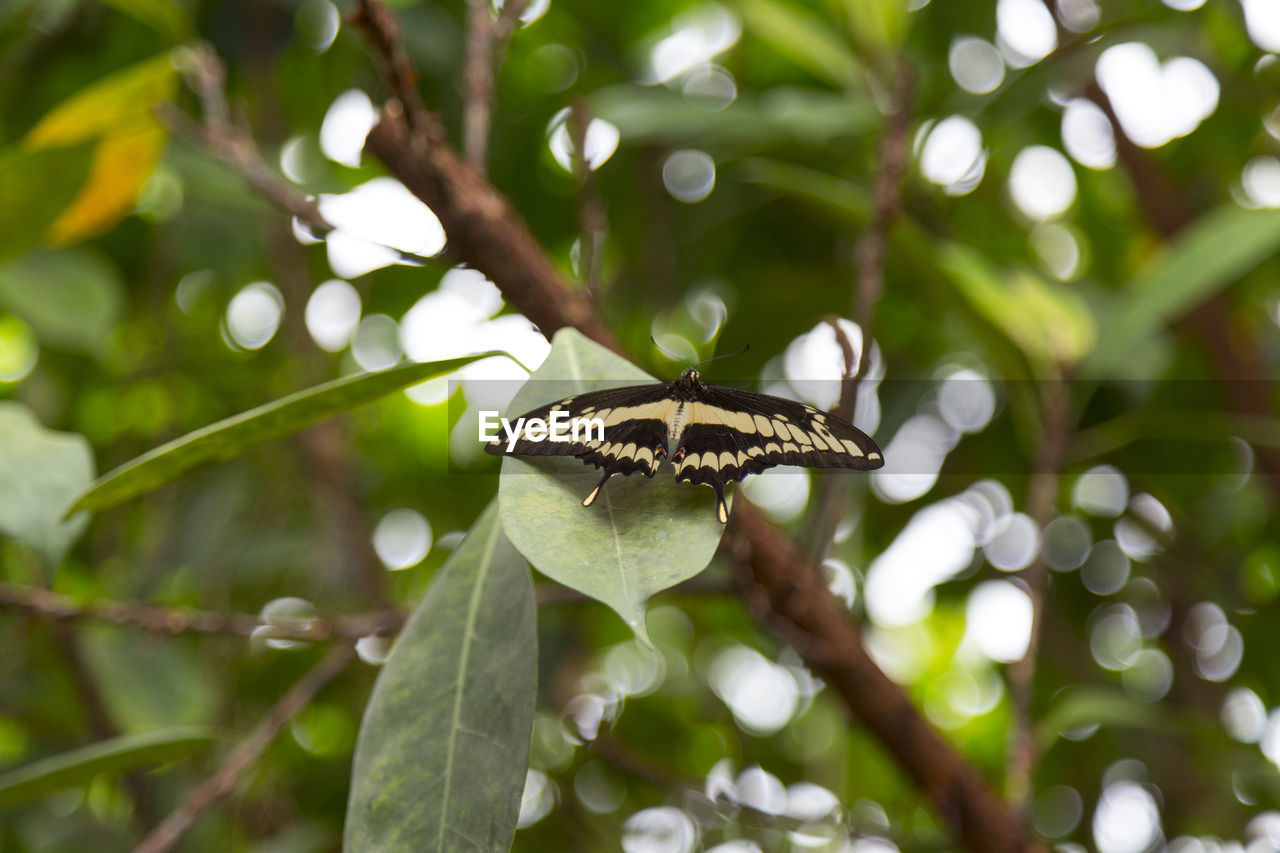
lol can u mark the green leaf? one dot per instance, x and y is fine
(1050, 323)
(1212, 253)
(40, 471)
(230, 437)
(843, 198)
(79, 766)
(640, 536)
(658, 116)
(147, 685)
(808, 42)
(877, 26)
(35, 188)
(441, 758)
(1083, 707)
(73, 298)
(164, 16)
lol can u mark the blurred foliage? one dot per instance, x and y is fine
(122, 249)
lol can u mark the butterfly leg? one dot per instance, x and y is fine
(591, 496)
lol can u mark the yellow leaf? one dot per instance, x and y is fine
(125, 98)
(118, 112)
(122, 162)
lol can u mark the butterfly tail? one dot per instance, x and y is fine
(594, 493)
(722, 511)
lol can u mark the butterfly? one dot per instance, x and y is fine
(716, 435)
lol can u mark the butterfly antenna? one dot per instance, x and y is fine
(723, 355)
(668, 353)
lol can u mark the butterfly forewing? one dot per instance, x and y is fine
(776, 431)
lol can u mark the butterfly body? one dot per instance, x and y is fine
(713, 435)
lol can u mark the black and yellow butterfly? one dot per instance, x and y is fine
(718, 435)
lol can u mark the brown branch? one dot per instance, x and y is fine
(483, 229)
(52, 607)
(383, 32)
(785, 591)
(246, 753)
(1042, 490)
(486, 46)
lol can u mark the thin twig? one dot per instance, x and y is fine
(233, 145)
(229, 148)
(383, 31)
(868, 256)
(591, 216)
(834, 486)
(52, 607)
(1042, 490)
(246, 753)
(486, 48)
(156, 619)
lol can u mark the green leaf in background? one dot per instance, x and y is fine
(808, 42)
(1207, 256)
(166, 17)
(1081, 707)
(40, 472)
(641, 535)
(73, 298)
(1050, 324)
(229, 438)
(843, 198)
(658, 116)
(35, 187)
(147, 685)
(80, 766)
(876, 26)
(441, 758)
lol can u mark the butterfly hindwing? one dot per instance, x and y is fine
(634, 434)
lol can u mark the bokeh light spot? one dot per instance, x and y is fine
(254, 314)
(689, 176)
(346, 124)
(600, 142)
(376, 344)
(952, 155)
(1042, 183)
(975, 64)
(333, 311)
(402, 539)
